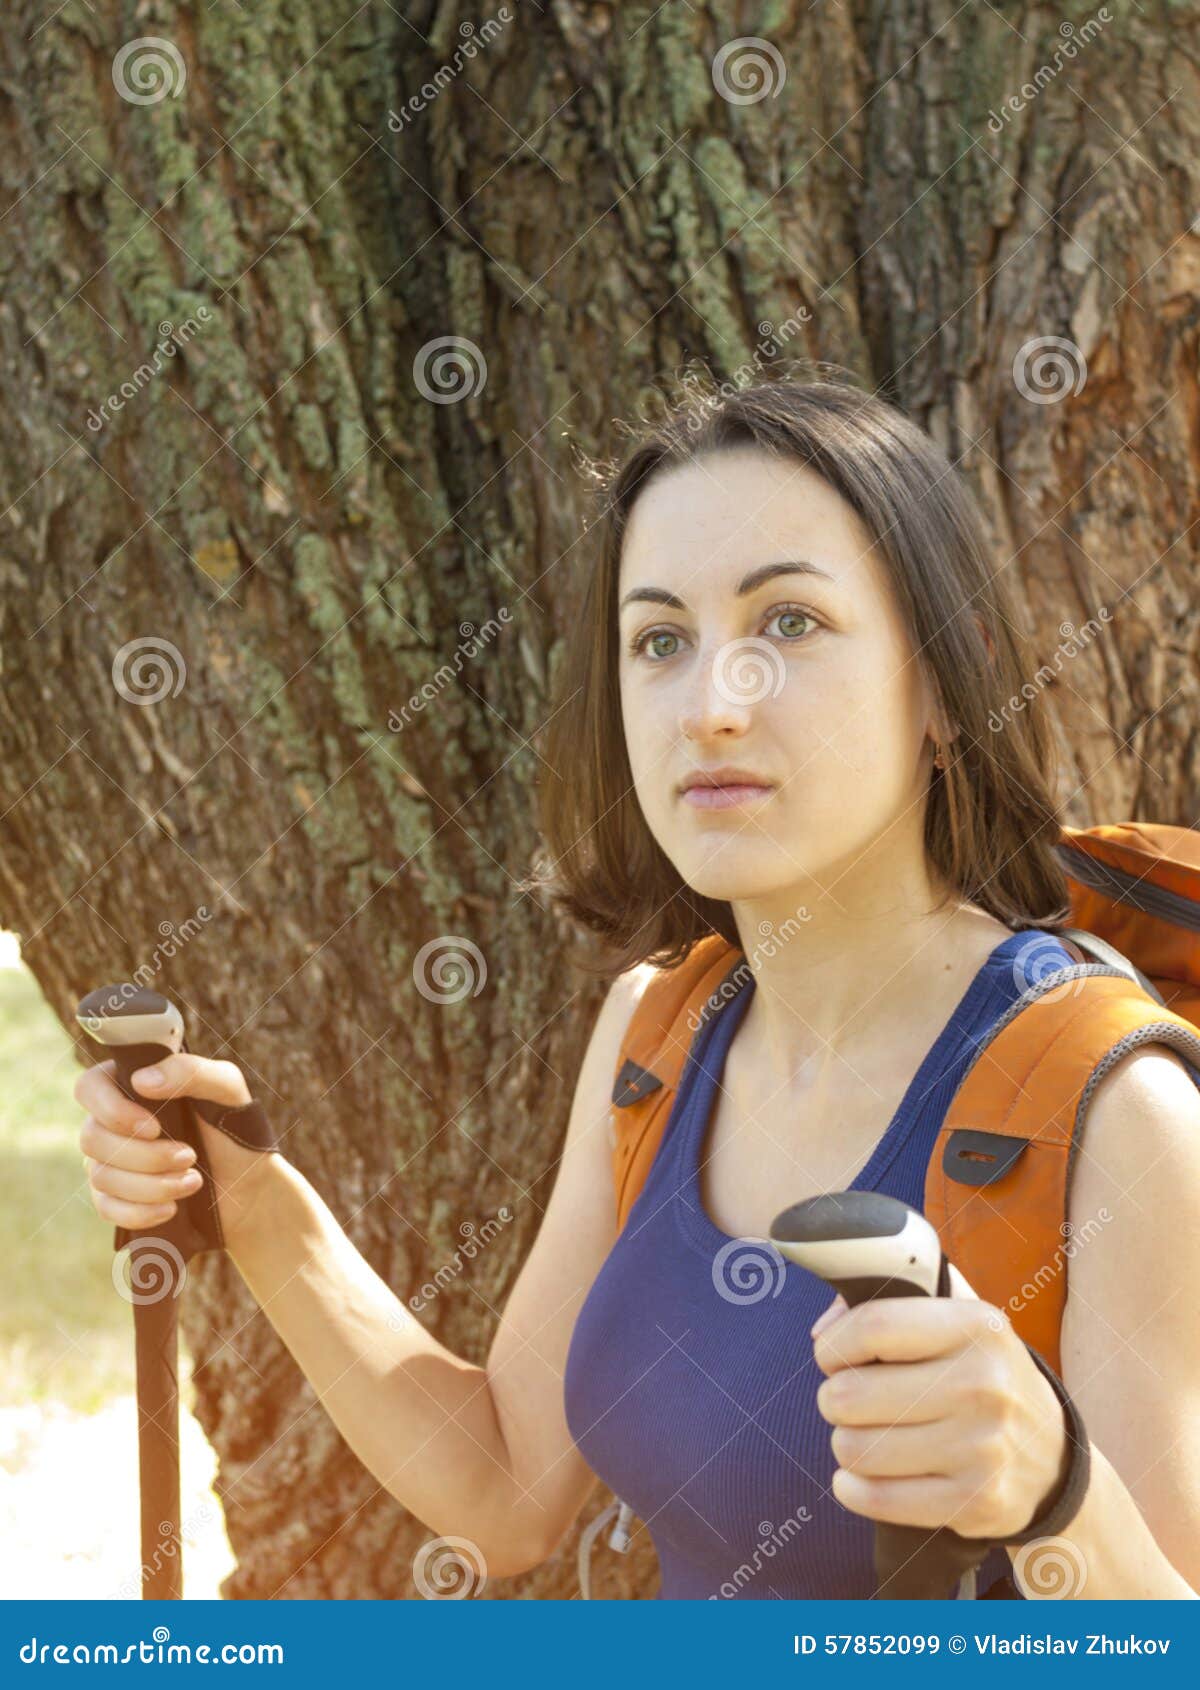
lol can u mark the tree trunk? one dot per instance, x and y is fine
(284, 577)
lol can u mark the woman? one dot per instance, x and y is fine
(783, 676)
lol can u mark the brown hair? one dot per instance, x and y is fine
(991, 822)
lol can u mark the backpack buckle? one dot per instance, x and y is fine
(633, 1084)
(975, 1158)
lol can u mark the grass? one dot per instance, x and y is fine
(65, 1334)
(68, 1418)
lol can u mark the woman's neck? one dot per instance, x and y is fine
(841, 976)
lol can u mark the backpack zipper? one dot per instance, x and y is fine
(1132, 889)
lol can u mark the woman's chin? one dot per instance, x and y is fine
(725, 884)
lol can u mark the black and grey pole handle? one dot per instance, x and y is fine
(867, 1245)
(137, 1027)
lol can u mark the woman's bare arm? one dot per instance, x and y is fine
(478, 1452)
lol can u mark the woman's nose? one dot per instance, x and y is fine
(727, 681)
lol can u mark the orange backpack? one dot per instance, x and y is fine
(997, 1181)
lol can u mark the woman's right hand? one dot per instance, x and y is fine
(136, 1175)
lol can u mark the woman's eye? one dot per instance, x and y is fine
(639, 645)
(793, 615)
(788, 615)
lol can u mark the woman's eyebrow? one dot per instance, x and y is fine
(756, 578)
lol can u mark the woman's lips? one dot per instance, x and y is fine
(723, 797)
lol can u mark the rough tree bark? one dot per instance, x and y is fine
(317, 515)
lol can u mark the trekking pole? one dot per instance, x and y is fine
(867, 1245)
(136, 1027)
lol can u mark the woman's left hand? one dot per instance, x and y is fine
(940, 1416)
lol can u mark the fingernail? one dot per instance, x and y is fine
(148, 1077)
(830, 1315)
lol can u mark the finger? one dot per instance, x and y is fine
(154, 1190)
(901, 1329)
(159, 1156)
(187, 1075)
(97, 1090)
(832, 1312)
(930, 1500)
(886, 1452)
(132, 1216)
(959, 1287)
(891, 1394)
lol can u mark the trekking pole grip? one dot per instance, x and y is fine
(867, 1245)
(137, 1027)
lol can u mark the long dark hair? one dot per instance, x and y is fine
(991, 821)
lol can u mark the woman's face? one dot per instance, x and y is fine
(807, 680)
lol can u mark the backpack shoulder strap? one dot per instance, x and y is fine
(669, 1014)
(998, 1180)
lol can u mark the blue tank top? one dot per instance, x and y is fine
(690, 1384)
